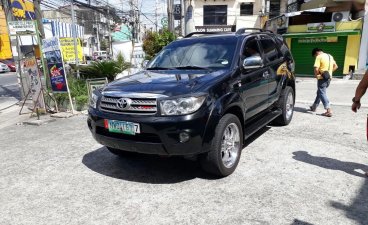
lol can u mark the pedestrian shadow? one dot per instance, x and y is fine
(144, 168)
(299, 222)
(358, 210)
(331, 164)
(302, 110)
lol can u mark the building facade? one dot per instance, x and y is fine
(336, 26)
(230, 15)
(93, 25)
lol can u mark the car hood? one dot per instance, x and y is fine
(168, 83)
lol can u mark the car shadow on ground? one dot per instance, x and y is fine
(332, 164)
(300, 222)
(144, 168)
(150, 168)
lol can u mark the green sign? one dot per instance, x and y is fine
(321, 27)
(164, 22)
(317, 40)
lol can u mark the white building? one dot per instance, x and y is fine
(230, 15)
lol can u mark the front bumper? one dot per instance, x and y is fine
(159, 134)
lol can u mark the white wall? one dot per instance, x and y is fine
(233, 17)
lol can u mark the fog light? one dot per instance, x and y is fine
(184, 137)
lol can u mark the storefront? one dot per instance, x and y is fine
(342, 42)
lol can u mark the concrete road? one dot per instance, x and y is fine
(310, 172)
(9, 89)
(340, 92)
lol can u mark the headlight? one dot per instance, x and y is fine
(181, 106)
(93, 101)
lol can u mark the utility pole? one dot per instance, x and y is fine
(97, 33)
(38, 14)
(74, 31)
(109, 27)
(182, 17)
(156, 15)
(170, 15)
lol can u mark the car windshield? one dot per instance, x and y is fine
(200, 53)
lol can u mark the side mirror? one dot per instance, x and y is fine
(253, 62)
(145, 63)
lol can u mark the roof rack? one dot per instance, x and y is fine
(242, 30)
(194, 33)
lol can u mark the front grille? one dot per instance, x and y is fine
(136, 105)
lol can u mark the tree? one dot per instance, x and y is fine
(155, 41)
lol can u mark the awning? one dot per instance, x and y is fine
(323, 34)
(326, 3)
(319, 10)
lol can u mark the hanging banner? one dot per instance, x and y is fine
(55, 64)
(67, 49)
(30, 72)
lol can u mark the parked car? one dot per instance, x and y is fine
(10, 64)
(200, 97)
(101, 54)
(4, 68)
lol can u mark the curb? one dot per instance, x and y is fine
(7, 107)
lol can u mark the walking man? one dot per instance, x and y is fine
(324, 66)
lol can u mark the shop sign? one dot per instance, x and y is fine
(231, 28)
(22, 27)
(23, 9)
(30, 70)
(177, 12)
(321, 27)
(318, 40)
(67, 49)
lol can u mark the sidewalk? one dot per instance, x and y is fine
(7, 102)
(10, 116)
(340, 92)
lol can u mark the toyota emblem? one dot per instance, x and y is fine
(123, 103)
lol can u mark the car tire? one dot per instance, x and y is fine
(121, 153)
(223, 158)
(286, 105)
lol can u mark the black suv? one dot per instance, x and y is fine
(200, 96)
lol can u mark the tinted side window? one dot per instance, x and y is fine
(269, 48)
(251, 48)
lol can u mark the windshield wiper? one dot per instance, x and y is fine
(158, 68)
(191, 68)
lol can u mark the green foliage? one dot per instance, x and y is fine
(101, 69)
(121, 62)
(154, 42)
(104, 44)
(78, 91)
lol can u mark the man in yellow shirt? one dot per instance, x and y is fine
(324, 63)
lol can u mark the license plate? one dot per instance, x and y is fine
(122, 127)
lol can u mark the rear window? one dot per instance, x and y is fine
(269, 49)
